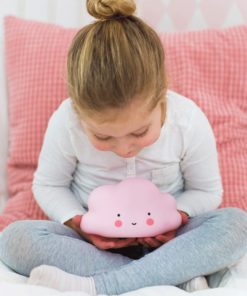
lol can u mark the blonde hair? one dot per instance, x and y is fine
(115, 59)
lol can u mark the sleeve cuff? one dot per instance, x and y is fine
(71, 215)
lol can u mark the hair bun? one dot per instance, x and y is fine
(106, 9)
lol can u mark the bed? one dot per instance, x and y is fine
(234, 282)
(17, 163)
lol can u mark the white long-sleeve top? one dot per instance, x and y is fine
(183, 161)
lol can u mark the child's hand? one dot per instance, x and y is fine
(105, 243)
(100, 242)
(157, 241)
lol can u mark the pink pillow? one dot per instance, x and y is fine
(36, 72)
(208, 66)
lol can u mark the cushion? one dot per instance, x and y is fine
(208, 66)
(36, 74)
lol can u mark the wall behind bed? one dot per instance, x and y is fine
(163, 15)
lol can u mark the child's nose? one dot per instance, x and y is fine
(124, 149)
(124, 153)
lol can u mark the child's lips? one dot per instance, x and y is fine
(130, 154)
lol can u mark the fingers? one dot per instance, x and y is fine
(116, 243)
(111, 243)
(124, 243)
(153, 242)
(142, 241)
(150, 242)
(102, 243)
(77, 220)
(185, 217)
(157, 241)
(164, 238)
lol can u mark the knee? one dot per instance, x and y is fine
(16, 243)
(12, 234)
(18, 230)
(234, 220)
(12, 239)
(234, 214)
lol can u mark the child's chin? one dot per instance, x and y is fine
(132, 154)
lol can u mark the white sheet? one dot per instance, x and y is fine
(8, 289)
(8, 276)
(234, 282)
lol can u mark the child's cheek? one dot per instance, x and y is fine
(149, 140)
(118, 223)
(100, 146)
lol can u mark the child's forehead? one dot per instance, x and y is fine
(121, 123)
(119, 127)
(134, 111)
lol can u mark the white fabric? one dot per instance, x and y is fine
(234, 283)
(183, 161)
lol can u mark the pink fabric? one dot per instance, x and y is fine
(208, 66)
(36, 72)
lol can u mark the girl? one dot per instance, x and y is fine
(121, 121)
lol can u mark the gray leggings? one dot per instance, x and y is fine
(207, 244)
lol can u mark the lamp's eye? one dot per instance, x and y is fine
(118, 215)
(149, 213)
